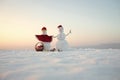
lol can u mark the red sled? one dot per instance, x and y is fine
(44, 38)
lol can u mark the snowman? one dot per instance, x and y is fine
(44, 41)
(46, 44)
(62, 44)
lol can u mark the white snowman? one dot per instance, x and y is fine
(61, 44)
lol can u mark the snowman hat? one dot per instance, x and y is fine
(59, 26)
(44, 28)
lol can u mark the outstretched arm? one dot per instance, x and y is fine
(54, 36)
(68, 33)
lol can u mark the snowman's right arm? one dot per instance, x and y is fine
(68, 33)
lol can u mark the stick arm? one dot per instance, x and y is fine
(68, 33)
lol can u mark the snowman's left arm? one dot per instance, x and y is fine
(68, 33)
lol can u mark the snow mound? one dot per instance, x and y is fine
(76, 64)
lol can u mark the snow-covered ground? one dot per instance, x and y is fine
(78, 64)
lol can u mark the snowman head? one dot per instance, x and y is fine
(60, 28)
(44, 30)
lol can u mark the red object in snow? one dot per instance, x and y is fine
(44, 28)
(44, 38)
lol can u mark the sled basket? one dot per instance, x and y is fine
(39, 46)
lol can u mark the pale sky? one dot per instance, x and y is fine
(92, 21)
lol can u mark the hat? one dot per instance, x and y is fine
(44, 28)
(59, 26)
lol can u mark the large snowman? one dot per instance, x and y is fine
(61, 44)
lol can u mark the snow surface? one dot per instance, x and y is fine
(77, 64)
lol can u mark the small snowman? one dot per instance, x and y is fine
(44, 40)
(46, 44)
(62, 44)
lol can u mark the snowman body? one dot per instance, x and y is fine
(46, 46)
(45, 42)
(61, 43)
